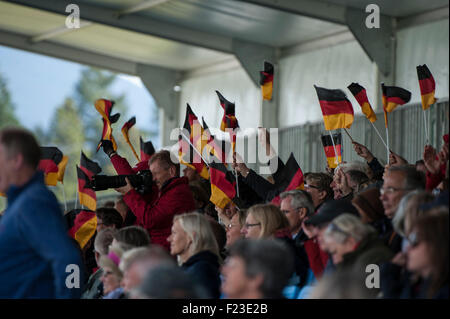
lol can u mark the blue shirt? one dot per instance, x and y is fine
(34, 246)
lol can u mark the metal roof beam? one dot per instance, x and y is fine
(136, 23)
(378, 43)
(65, 52)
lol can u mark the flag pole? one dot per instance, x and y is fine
(64, 196)
(182, 134)
(387, 144)
(235, 172)
(336, 156)
(349, 135)
(76, 199)
(379, 135)
(426, 128)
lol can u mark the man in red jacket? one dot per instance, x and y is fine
(170, 195)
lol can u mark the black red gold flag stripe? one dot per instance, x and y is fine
(186, 153)
(104, 107)
(88, 166)
(86, 194)
(360, 95)
(229, 119)
(393, 96)
(291, 178)
(427, 86)
(223, 184)
(333, 159)
(82, 225)
(125, 132)
(215, 146)
(147, 149)
(50, 158)
(266, 81)
(336, 108)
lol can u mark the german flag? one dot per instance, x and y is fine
(147, 149)
(291, 178)
(266, 81)
(51, 157)
(87, 169)
(229, 119)
(393, 96)
(195, 131)
(62, 168)
(125, 132)
(88, 166)
(86, 194)
(361, 96)
(222, 185)
(215, 146)
(427, 86)
(329, 149)
(107, 135)
(82, 225)
(336, 108)
(104, 107)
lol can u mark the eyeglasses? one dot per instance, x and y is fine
(311, 186)
(390, 190)
(251, 225)
(229, 226)
(413, 240)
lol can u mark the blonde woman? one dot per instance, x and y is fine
(192, 241)
(264, 221)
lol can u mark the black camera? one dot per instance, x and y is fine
(142, 182)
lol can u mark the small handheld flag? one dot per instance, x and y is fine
(266, 81)
(333, 159)
(336, 108)
(125, 132)
(427, 86)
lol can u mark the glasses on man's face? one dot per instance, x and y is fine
(251, 225)
(391, 190)
(311, 186)
(291, 210)
(229, 226)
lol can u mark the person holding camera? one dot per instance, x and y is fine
(171, 197)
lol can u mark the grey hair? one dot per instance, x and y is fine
(299, 199)
(413, 178)
(398, 222)
(355, 165)
(347, 226)
(147, 255)
(103, 240)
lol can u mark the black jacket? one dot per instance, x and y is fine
(204, 269)
(397, 283)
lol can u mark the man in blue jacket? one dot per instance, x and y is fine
(37, 257)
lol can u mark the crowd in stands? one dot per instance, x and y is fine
(320, 241)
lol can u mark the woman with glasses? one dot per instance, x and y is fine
(267, 221)
(353, 244)
(427, 260)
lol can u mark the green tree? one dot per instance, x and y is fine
(66, 133)
(7, 116)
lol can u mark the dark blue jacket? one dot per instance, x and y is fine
(204, 269)
(34, 246)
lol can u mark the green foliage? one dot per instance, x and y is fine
(7, 116)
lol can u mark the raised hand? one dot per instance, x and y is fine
(432, 163)
(396, 160)
(363, 151)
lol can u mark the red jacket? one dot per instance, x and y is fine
(155, 211)
(433, 180)
(156, 215)
(317, 258)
